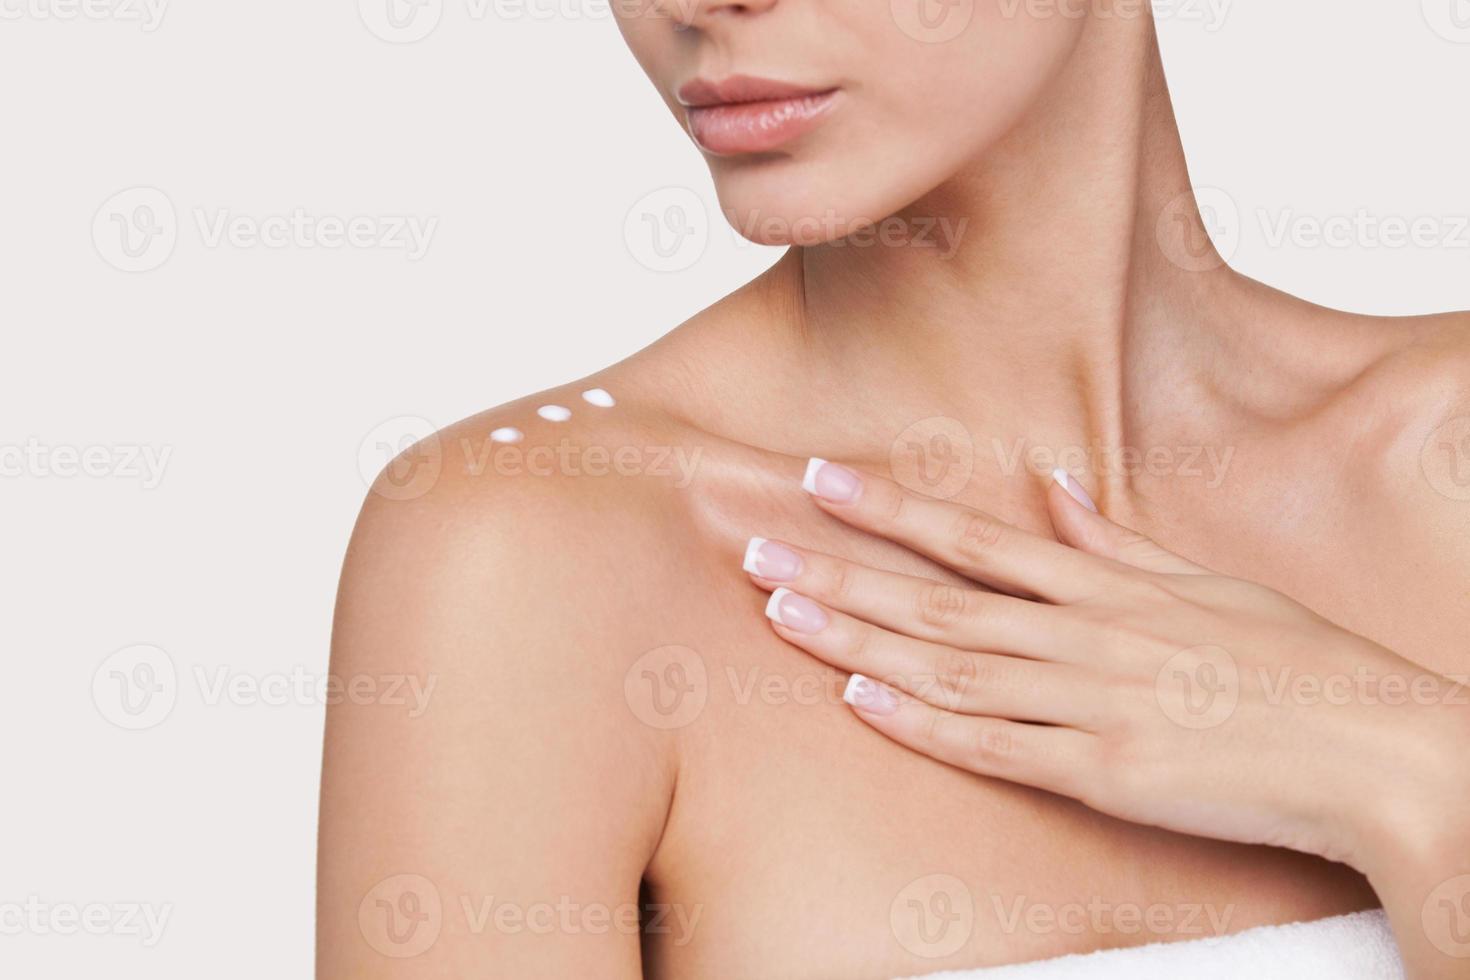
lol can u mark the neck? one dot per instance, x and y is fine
(1047, 276)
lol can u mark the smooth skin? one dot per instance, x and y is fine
(1063, 672)
(1081, 312)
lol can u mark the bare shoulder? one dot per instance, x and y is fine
(1403, 436)
(541, 505)
(1429, 359)
(499, 563)
(576, 505)
(1414, 395)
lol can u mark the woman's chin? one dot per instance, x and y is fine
(816, 201)
(803, 224)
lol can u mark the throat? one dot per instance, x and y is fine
(1058, 288)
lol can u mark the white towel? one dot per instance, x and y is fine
(1359, 946)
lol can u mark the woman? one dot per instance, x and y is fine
(1095, 719)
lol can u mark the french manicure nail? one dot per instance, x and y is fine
(868, 695)
(796, 612)
(831, 482)
(1074, 488)
(771, 561)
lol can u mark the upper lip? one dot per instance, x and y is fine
(741, 88)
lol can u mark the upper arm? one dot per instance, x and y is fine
(494, 819)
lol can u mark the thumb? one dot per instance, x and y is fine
(1078, 523)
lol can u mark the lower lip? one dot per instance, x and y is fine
(757, 127)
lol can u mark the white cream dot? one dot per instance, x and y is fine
(507, 434)
(598, 397)
(554, 413)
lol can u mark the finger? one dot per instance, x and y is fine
(974, 544)
(956, 680)
(1078, 524)
(967, 618)
(1046, 757)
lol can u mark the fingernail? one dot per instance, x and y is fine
(831, 482)
(870, 696)
(796, 612)
(1074, 488)
(771, 561)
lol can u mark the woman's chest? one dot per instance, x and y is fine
(808, 845)
(811, 846)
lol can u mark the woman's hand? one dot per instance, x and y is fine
(1108, 669)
